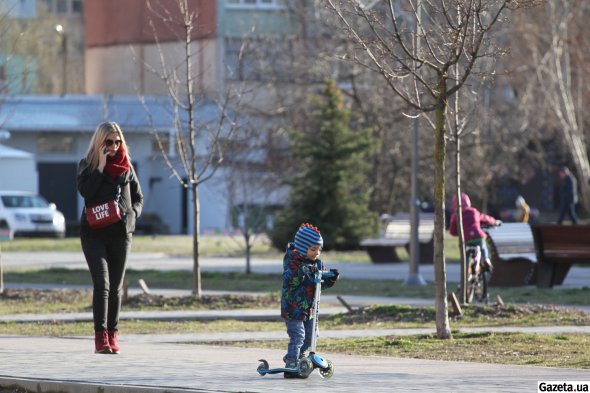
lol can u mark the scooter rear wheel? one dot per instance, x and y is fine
(263, 366)
(327, 372)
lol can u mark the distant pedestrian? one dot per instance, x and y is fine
(522, 210)
(113, 198)
(568, 195)
(299, 266)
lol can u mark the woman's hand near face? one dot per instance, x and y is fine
(102, 157)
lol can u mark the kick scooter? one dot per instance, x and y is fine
(307, 364)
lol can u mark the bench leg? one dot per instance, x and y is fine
(384, 254)
(550, 274)
(560, 271)
(545, 274)
(426, 251)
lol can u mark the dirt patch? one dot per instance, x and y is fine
(44, 295)
(377, 313)
(217, 302)
(393, 313)
(142, 301)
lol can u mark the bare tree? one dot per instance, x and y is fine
(451, 35)
(560, 74)
(253, 185)
(35, 53)
(291, 65)
(197, 143)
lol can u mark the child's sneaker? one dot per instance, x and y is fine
(487, 265)
(291, 364)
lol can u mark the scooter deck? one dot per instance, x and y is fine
(263, 371)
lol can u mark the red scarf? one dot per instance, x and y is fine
(117, 164)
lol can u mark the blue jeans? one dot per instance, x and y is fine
(300, 334)
(483, 244)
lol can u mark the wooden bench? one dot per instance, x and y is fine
(512, 251)
(397, 234)
(558, 248)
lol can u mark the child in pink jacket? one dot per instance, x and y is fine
(473, 221)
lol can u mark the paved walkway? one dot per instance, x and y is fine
(166, 363)
(43, 364)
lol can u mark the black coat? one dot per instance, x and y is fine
(568, 191)
(96, 187)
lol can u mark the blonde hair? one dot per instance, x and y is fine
(103, 130)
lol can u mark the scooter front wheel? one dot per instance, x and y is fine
(305, 367)
(262, 367)
(327, 372)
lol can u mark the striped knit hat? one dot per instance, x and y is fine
(307, 236)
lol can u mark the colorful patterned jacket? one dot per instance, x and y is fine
(298, 286)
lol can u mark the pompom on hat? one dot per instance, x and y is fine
(307, 236)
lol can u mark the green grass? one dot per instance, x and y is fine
(209, 246)
(551, 350)
(173, 245)
(372, 317)
(61, 329)
(271, 283)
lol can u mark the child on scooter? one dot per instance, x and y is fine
(299, 266)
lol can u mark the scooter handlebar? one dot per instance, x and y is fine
(329, 273)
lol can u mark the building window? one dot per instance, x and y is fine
(77, 7)
(55, 144)
(262, 59)
(64, 7)
(61, 7)
(256, 3)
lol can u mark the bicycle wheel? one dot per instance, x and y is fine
(472, 287)
(478, 288)
(484, 287)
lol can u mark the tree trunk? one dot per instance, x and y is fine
(443, 329)
(248, 250)
(196, 225)
(576, 145)
(458, 207)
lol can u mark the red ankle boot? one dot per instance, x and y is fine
(101, 342)
(113, 341)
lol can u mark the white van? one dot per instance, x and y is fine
(29, 214)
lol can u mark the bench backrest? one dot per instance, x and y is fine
(563, 243)
(399, 227)
(513, 240)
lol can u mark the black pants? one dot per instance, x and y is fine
(567, 209)
(106, 254)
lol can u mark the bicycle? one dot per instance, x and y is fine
(477, 276)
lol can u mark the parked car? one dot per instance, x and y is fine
(29, 214)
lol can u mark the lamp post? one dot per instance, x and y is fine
(414, 277)
(4, 135)
(64, 57)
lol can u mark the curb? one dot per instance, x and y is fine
(55, 386)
